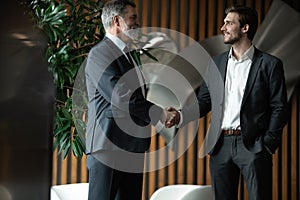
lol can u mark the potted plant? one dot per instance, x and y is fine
(72, 28)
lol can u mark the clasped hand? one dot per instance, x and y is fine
(170, 117)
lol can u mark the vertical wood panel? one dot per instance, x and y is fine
(275, 176)
(54, 168)
(284, 162)
(297, 133)
(293, 150)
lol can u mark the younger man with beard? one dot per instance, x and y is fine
(254, 111)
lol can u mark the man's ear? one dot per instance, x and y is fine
(245, 29)
(116, 20)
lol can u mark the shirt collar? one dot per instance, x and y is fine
(117, 41)
(248, 54)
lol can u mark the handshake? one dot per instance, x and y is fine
(170, 117)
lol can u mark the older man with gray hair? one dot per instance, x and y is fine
(119, 115)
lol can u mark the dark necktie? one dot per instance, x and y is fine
(128, 54)
(139, 73)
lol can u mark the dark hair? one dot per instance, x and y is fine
(247, 16)
(113, 8)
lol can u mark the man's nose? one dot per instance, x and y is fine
(223, 27)
(137, 23)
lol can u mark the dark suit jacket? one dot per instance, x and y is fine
(263, 112)
(118, 113)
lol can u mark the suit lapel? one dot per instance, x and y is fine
(224, 59)
(118, 54)
(124, 63)
(252, 74)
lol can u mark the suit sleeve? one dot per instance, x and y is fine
(278, 106)
(119, 86)
(202, 105)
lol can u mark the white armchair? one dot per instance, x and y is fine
(183, 192)
(76, 191)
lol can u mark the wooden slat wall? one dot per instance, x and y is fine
(200, 19)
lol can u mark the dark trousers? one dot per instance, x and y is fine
(232, 158)
(106, 183)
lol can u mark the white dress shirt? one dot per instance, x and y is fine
(236, 79)
(117, 41)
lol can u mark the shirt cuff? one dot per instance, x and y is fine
(268, 149)
(180, 120)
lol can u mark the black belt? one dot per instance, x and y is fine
(231, 132)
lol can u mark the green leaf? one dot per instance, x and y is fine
(145, 51)
(66, 149)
